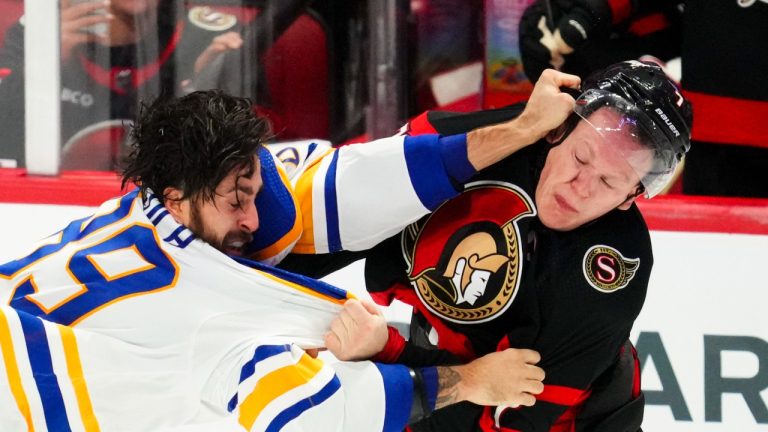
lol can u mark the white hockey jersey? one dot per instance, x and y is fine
(127, 322)
(124, 321)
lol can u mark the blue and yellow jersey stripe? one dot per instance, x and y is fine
(45, 385)
(42, 371)
(284, 374)
(80, 387)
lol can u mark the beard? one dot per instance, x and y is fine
(233, 243)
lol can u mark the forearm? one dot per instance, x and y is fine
(490, 144)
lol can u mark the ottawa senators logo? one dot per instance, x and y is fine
(607, 270)
(464, 260)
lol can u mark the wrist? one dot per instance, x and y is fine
(529, 128)
(392, 348)
(464, 384)
(452, 386)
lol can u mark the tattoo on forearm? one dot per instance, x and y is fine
(447, 391)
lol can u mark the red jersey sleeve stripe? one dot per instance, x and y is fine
(561, 395)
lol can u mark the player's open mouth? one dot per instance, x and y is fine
(234, 248)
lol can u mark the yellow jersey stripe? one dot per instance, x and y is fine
(75, 370)
(12, 370)
(304, 189)
(275, 384)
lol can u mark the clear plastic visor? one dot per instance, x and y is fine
(633, 134)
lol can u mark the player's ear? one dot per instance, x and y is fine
(174, 203)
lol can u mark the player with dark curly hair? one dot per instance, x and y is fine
(216, 135)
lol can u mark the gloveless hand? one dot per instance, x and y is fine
(358, 333)
(508, 377)
(548, 107)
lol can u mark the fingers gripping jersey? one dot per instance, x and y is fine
(317, 199)
(125, 321)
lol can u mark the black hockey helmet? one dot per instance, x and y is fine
(651, 109)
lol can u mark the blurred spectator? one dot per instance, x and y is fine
(113, 54)
(724, 56)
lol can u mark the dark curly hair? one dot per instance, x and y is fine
(192, 142)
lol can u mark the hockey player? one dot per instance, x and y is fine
(136, 318)
(544, 250)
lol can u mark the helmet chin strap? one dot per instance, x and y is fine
(639, 190)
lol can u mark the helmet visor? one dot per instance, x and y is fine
(650, 155)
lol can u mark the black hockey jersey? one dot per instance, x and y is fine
(483, 274)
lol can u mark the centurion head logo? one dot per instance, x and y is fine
(607, 270)
(464, 260)
(471, 265)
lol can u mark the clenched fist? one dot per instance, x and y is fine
(508, 377)
(358, 333)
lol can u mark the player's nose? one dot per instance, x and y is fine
(250, 218)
